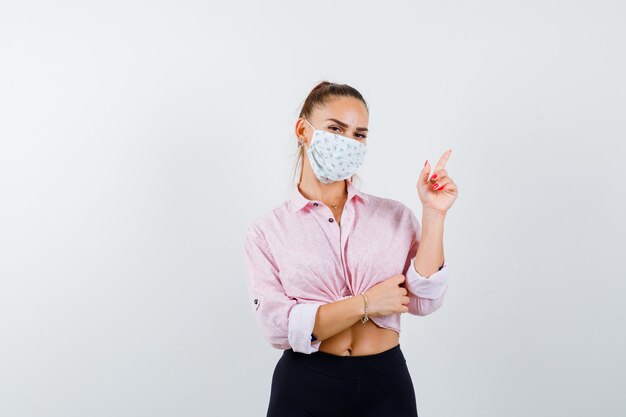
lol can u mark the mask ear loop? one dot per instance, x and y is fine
(309, 123)
(303, 142)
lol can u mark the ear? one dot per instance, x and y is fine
(299, 130)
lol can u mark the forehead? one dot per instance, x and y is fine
(347, 109)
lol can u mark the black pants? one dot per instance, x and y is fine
(321, 384)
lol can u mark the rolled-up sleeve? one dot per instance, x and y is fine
(283, 321)
(426, 294)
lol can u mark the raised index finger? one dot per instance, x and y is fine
(442, 161)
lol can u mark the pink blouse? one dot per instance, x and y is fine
(298, 258)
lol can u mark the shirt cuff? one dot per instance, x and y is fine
(431, 287)
(300, 329)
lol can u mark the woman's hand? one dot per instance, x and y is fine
(438, 192)
(388, 297)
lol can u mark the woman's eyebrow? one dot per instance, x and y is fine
(342, 124)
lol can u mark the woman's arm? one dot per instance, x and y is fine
(427, 284)
(284, 322)
(427, 272)
(430, 257)
(335, 317)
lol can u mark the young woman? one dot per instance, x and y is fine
(331, 269)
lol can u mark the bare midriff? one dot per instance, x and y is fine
(361, 339)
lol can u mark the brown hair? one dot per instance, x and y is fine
(321, 94)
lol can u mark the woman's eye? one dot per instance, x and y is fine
(360, 135)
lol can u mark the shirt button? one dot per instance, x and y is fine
(315, 204)
(331, 220)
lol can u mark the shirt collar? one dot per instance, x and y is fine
(298, 201)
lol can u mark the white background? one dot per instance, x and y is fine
(139, 139)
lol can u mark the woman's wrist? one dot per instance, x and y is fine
(358, 307)
(365, 308)
(432, 216)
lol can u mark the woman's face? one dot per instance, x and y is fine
(344, 116)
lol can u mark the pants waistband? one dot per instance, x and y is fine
(348, 366)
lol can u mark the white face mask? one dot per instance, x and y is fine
(334, 157)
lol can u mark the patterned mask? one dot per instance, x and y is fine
(334, 157)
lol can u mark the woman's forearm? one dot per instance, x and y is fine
(430, 255)
(335, 317)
